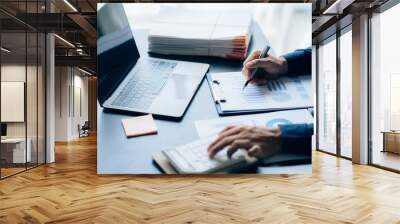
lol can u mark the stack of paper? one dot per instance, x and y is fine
(201, 33)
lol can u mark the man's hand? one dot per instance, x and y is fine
(258, 141)
(270, 67)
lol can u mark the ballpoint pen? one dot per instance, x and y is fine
(264, 53)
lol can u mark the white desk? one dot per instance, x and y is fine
(16, 147)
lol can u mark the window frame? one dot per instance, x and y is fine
(27, 29)
(334, 37)
(379, 10)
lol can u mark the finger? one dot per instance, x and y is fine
(233, 129)
(227, 128)
(222, 135)
(258, 82)
(254, 55)
(254, 151)
(246, 72)
(257, 63)
(220, 145)
(236, 145)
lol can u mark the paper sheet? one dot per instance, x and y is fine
(214, 126)
(278, 94)
(138, 126)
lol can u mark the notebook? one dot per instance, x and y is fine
(201, 33)
(279, 94)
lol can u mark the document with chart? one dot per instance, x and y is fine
(278, 94)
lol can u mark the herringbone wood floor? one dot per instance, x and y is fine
(70, 191)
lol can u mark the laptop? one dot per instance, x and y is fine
(129, 82)
(3, 131)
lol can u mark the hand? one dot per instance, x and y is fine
(256, 140)
(271, 67)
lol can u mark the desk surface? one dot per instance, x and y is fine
(117, 154)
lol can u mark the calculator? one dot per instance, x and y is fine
(193, 158)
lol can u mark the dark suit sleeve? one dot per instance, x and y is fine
(299, 62)
(296, 138)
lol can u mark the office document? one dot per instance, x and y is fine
(194, 32)
(278, 94)
(209, 127)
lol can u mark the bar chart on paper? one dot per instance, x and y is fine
(278, 94)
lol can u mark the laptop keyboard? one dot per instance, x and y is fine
(145, 84)
(194, 156)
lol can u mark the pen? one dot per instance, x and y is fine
(264, 53)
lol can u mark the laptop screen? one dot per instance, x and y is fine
(3, 129)
(116, 48)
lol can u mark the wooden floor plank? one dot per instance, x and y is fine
(70, 191)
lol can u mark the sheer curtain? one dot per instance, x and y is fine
(327, 96)
(346, 94)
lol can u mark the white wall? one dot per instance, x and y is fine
(16, 72)
(79, 117)
(70, 83)
(62, 81)
(33, 126)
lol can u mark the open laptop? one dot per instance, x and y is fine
(132, 83)
(3, 131)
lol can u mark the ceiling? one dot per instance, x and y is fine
(329, 16)
(72, 20)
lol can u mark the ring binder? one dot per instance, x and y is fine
(283, 94)
(217, 92)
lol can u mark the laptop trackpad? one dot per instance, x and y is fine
(173, 98)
